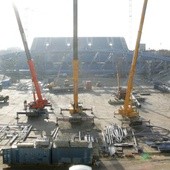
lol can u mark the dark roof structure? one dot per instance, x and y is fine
(54, 44)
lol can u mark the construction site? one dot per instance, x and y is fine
(88, 101)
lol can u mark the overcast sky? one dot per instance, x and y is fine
(44, 18)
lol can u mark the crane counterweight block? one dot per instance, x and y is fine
(39, 104)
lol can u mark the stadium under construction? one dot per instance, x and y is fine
(84, 101)
(97, 55)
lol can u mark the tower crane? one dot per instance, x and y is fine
(127, 110)
(36, 107)
(130, 23)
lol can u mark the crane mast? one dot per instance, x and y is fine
(127, 110)
(75, 58)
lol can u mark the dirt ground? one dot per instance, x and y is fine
(156, 108)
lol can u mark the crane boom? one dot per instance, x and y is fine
(127, 110)
(75, 57)
(40, 103)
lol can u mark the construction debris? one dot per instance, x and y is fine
(162, 87)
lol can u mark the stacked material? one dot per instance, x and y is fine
(114, 134)
(162, 87)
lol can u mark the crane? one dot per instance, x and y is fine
(76, 108)
(75, 60)
(36, 107)
(121, 91)
(127, 110)
(119, 96)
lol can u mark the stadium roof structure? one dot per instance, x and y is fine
(54, 44)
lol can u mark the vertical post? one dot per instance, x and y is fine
(75, 56)
(118, 78)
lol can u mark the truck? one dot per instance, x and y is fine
(4, 98)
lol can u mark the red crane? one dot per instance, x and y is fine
(37, 106)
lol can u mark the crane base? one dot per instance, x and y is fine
(72, 111)
(33, 113)
(138, 121)
(75, 119)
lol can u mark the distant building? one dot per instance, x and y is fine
(142, 47)
(97, 55)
